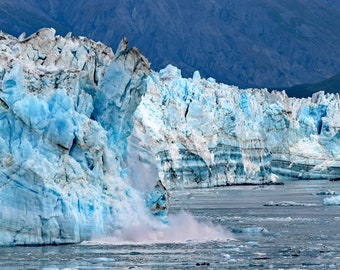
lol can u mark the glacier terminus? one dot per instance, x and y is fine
(90, 140)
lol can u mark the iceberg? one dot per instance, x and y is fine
(85, 134)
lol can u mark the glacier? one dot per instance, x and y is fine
(205, 134)
(86, 134)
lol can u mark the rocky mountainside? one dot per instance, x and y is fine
(247, 43)
(331, 85)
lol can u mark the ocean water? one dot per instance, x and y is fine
(239, 227)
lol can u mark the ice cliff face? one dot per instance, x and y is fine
(85, 134)
(206, 134)
(66, 109)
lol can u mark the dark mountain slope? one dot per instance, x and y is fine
(331, 85)
(262, 43)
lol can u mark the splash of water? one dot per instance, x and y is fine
(182, 228)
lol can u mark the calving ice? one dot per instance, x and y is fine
(86, 134)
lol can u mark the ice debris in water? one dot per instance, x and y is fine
(287, 203)
(250, 230)
(328, 192)
(335, 200)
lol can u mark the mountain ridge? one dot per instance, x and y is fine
(331, 85)
(246, 43)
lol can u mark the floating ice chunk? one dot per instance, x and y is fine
(335, 200)
(251, 230)
(287, 203)
(328, 192)
(253, 244)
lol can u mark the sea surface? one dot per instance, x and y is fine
(264, 227)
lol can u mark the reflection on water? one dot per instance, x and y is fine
(301, 234)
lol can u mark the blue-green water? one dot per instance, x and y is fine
(303, 234)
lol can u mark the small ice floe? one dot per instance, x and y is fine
(260, 256)
(328, 192)
(253, 244)
(251, 230)
(287, 203)
(335, 200)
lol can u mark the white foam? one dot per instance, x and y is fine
(182, 228)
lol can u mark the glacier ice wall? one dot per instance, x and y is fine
(202, 133)
(66, 109)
